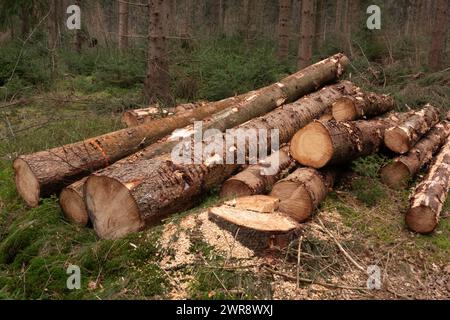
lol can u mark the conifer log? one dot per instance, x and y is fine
(362, 105)
(46, 172)
(398, 173)
(333, 142)
(402, 137)
(135, 195)
(429, 196)
(255, 179)
(302, 191)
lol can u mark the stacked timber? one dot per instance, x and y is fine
(43, 173)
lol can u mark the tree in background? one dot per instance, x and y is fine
(157, 81)
(439, 35)
(284, 28)
(123, 25)
(306, 33)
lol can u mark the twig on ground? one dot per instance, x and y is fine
(299, 251)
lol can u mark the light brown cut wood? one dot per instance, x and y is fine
(307, 187)
(429, 196)
(398, 173)
(258, 231)
(160, 187)
(363, 105)
(255, 179)
(72, 203)
(402, 137)
(58, 167)
(324, 143)
(258, 203)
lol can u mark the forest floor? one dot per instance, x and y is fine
(188, 256)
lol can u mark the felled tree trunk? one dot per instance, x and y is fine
(398, 173)
(302, 191)
(429, 196)
(256, 179)
(46, 172)
(402, 137)
(72, 203)
(136, 195)
(324, 143)
(363, 105)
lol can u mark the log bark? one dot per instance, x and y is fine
(302, 191)
(402, 137)
(333, 142)
(136, 195)
(46, 172)
(137, 117)
(429, 196)
(398, 173)
(255, 180)
(363, 105)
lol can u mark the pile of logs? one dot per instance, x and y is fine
(126, 181)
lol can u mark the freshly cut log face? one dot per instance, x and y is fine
(160, 187)
(256, 230)
(255, 178)
(136, 117)
(72, 203)
(429, 196)
(307, 187)
(402, 169)
(53, 169)
(362, 105)
(402, 137)
(324, 143)
(258, 203)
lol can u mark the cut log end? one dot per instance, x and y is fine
(299, 207)
(421, 219)
(112, 209)
(73, 207)
(26, 183)
(395, 175)
(312, 146)
(397, 140)
(234, 188)
(344, 109)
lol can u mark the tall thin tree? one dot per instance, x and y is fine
(284, 28)
(306, 33)
(439, 35)
(123, 24)
(157, 81)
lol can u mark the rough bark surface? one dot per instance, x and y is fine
(333, 142)
(302, 191)
(429, 196)
(47, 172)
(284, 28)
(363, 105)
(149, 189)
(255, 180)
(439, 35)
(402, 169)
(402, 137)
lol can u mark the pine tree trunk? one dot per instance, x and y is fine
(439, 35)
(302, 191)
(402, 169)
(402, 137)
(363, 105)
(157, 81)
(284, 28)
(306, 33)
(324, 143)
(255, 180)
(123, 24)
(429, 196)
(138, 194)
(338, 16)
(320, 20)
